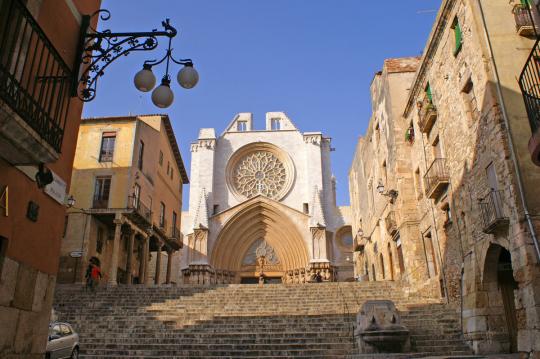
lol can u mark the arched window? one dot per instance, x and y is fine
(390, 262)
(382, 266)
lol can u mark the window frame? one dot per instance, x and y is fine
(458, 36)
(140, 158)
(108, 154)
(241, 126)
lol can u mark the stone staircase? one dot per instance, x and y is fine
(230, 321)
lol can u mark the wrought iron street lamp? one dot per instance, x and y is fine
(98, 49)
(393, 194)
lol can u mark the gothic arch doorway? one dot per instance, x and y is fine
(262, 222)
(499, 281)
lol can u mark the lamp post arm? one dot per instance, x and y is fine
(98, 49)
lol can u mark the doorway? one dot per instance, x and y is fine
(507, 285)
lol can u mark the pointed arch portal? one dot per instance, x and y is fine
(260, 221)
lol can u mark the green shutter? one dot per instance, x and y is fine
(428, 93)
(526, 3)
(459, 36)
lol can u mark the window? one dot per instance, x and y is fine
(160, 158)
(136, 195)
(436, 148)
(382, 266)
(275, 124)
(215, 210)
(168, 167)
(429, 94)
(241, 126)
(469, 98)
(174, 218)
(99, 240)
(390, 262)
(161, 214)
(418, 183)
(141, 155)
(172, 176)
(377, 134)
(458, 36)
(306, 208)
(102, 189)
(384, 171)
(447, 213)
(400, 256)
(107, 146)
(373, 273)
(429, 252)
(492, 177)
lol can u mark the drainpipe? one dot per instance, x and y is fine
(509, 135)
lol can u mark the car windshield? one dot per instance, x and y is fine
(54, 330)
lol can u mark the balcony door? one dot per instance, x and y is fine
(102, 189)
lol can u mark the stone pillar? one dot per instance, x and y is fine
(141, 260)
(113, 270)
(129, 264)
(145, 259)
(169, 267)
(158, 263)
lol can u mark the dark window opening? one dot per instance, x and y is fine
(106, 152)
(141, 156)
(101, 192)
(306, 208)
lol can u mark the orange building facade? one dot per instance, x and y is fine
(39, 122)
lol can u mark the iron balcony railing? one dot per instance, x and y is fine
(492, 209)
(427, 114)
(529, 83)
(436, 177)
(140, 208)
(34, 79)
(525, 24)
(175, 232)
(100, 203)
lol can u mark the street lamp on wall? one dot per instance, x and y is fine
(393, 194)
(98, 49)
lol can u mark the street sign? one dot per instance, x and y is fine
(76, 254)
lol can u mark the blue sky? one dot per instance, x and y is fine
(313, 59)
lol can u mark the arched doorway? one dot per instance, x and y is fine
(499, 281)
(262, 222)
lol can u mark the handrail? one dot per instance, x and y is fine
(34, 79)
(529, 83)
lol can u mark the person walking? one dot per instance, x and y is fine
(93, 275)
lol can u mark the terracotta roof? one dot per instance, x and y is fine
(402, 64)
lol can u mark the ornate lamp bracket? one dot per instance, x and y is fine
(98, 49)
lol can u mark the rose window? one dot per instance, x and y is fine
(260, 172)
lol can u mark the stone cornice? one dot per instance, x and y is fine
(430, 49)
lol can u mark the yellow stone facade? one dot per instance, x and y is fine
(452, 146)
(128, 200)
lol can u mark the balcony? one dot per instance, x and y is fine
(427, 115)
(436, 179)
(100, 203)
(139, 213)
(525, 25)
(493, 215)
(175, 233)
(391, 223)
(529, 83)
(34, 89)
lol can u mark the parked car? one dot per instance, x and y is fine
(63, 341)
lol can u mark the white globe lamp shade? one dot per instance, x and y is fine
(144, 80)
(163, 96)
(188, 77)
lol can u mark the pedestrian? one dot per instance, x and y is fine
(93, 274)
(318, 277)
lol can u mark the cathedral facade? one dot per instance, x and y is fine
(262, 207)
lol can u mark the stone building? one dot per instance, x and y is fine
(127, 185)
(262, 207)
(466, 187)
(39, 120)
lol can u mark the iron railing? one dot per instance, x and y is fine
(427, 114)
(140, 208)
(492, 210)
(435, 175)
(100, 203)
(524, 19)
(529, 83)
(34, 79)
(175, 232)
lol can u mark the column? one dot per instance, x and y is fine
(113, 270)
(158, 263)
(146, 257)
(129, 264)
(169, 267)
(141, 260)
